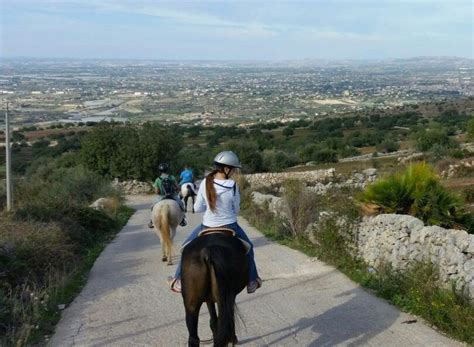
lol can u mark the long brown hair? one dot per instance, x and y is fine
(210, 190)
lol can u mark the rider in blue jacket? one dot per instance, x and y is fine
(186, 176)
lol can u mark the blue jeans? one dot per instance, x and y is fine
(241, 234)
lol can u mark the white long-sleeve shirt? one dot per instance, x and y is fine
(227, 203)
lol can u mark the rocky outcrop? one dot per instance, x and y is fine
(100, 203)
(276, 205)
(134, 187)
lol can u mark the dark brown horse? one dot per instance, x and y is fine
(214, 271)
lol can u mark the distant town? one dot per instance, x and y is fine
(44, 92)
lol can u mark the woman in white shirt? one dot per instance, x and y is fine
(219, 198)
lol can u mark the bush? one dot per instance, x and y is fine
(468, 194)
(418, 192)
(470, 129)
(427, 139)
(29, 250)
(388, 146)
(301, 206)
(52, 187)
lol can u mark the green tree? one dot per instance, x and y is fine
(427, 139)
(249, 155)
(288, 131)
(129, 152)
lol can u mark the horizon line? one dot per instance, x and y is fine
(235, 60)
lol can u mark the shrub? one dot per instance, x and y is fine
(468, 194)
(427, 139)
(388, 146)
(301, 207)
(418, 192)
(470, 129)
(29, 250)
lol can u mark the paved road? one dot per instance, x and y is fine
(303, 302)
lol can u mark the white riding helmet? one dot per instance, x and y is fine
(227, 158)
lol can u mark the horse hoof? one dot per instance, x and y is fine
(164, 259)
(170, 263)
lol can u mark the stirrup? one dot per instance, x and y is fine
(174, 284)
(254, 285)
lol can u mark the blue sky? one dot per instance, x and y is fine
(236, 30)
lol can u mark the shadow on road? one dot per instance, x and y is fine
(352, 323)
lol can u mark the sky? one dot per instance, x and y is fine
(236, 30)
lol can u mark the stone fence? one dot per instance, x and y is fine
(134, 187)
(401, 240)
(268, 179)
(318, 181)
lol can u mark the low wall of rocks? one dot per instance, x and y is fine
(454, 169)
(318, 181)
(268, 179)
(134, 187)
(401, 240)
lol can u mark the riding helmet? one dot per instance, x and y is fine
(163, 167)
(227, 158)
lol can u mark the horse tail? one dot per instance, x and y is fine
(223, 293)
(164, 226)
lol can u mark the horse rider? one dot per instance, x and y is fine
(166, 186)
(186, 176)
(219, 198)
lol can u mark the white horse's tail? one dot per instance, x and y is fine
(187, 189)
(164, 226)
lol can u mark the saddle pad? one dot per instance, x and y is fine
(226, 231)
(215, 230)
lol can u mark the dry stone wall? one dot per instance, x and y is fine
(402, 240)
(134, 187)
(317, 181)
(269, 179)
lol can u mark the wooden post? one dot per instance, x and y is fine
(8, 161)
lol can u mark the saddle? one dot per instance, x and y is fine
(225, 231)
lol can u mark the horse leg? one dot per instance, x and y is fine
(186, 203)
(192, 316)
(168, 254)
(163, 252)
(193, 203)
(213, 314)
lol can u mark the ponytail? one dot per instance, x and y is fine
(211, 191)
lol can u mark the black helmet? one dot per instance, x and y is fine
(163, 167)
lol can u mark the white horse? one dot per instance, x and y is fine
(166, 215)
(188, 191)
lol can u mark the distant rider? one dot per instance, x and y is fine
(166, 186)
(186, 176)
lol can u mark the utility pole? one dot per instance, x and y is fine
(8, 161)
